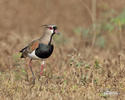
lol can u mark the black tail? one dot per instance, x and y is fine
(22, 56)
(23, 52)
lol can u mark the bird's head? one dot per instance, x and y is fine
(51, 28)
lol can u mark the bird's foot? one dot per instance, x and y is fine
(33, 81)
(41, 72)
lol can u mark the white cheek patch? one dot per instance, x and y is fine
(52, 31)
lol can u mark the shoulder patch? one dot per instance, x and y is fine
(34, 45)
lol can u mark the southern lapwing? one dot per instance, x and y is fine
(41, 48)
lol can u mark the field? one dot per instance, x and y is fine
(88, 62)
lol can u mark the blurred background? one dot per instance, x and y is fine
(89, 28)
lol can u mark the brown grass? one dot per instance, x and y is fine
(75, 71)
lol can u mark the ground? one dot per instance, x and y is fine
(88, 62)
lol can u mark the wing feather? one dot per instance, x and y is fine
(30, 48)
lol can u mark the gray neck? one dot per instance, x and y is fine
(46, 38)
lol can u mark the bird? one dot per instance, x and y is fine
(41, 48)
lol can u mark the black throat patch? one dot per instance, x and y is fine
(44, 51)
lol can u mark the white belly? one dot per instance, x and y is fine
(32, 55)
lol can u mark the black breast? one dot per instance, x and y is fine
(44, 51)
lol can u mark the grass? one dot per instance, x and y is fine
(76, 70)
(74, 77)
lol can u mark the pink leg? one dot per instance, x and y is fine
(32, 70)
(42, 66)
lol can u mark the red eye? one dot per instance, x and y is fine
(50, 28)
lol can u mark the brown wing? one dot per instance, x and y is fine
(33, 45)
(30, 48)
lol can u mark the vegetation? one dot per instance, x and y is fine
(88, 62)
